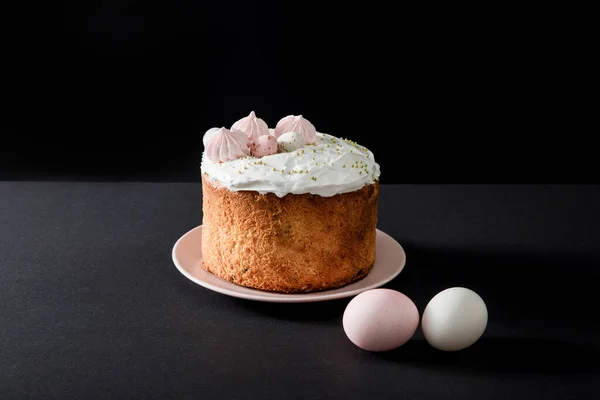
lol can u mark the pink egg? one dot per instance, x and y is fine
(380, 319)
(264, 145)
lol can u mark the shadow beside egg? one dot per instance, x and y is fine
(501, 355)
(327, 311)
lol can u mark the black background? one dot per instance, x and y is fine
(124, 90)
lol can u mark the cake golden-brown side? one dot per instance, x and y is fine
(293, 244)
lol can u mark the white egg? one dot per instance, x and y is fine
(209, 135)
(290, 141)
(380, 319)
(454, 319)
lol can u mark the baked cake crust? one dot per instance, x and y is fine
(297, 243)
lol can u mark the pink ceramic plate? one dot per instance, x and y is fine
(187, 257)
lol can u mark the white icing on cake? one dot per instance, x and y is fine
(329, 167)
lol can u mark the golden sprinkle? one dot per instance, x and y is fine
(344, 166)
(302, 151)
(282, 170)
(274, 169)
(360, 172)
(306, 172)
(314, 151)
(313, 178)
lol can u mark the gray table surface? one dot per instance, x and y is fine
(93, 307)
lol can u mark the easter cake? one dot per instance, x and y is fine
(287, 209)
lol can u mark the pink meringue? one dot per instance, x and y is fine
(264, 146)
(227, 145)
(252, 126)
(298, 124)
(208, 135)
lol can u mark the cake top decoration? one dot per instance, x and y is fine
(329, 167)
(252, 126)
(265, 145)
(290, 141)
(298, 124)
(226, 145)
(292, 158)
(209, 135)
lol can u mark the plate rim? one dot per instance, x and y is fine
(283, 297)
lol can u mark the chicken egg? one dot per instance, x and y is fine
(380, 319)
(454, 319)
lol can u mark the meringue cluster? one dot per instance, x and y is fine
(252, 136)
